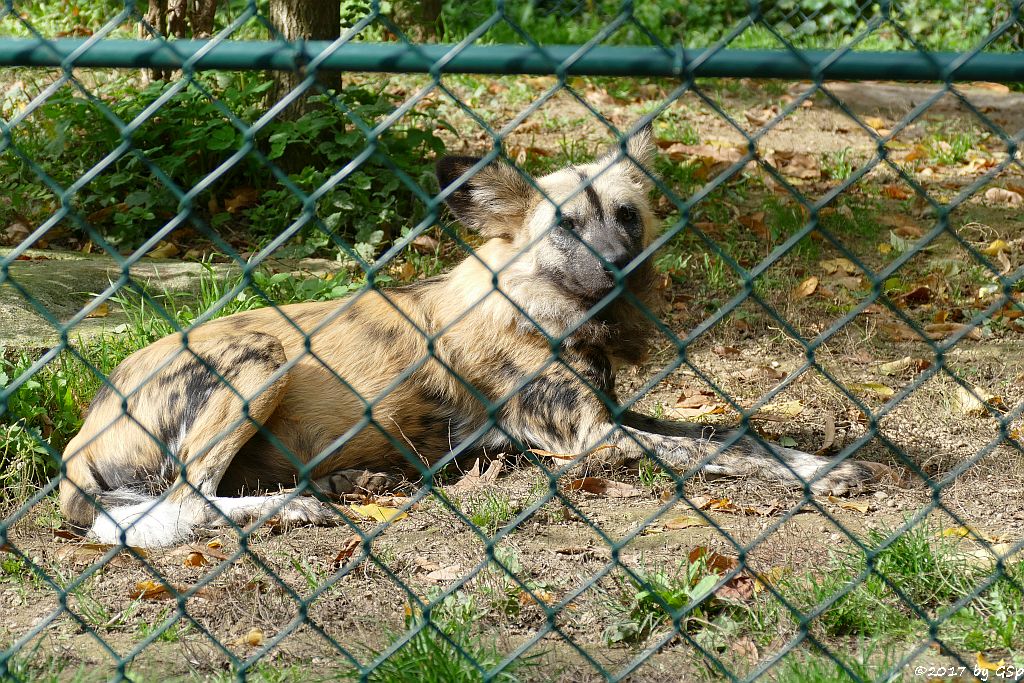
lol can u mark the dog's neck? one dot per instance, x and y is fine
(535, 307)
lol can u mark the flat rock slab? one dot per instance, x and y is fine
(47, 289)
(50, 288)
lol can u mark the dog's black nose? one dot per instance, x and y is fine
(619, 259)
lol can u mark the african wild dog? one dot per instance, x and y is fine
(556, 276)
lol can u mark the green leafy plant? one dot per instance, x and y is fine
(837, 165)
(193, 136)
(658, 596)
(950, 150)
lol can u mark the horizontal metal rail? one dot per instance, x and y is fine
(517, 59)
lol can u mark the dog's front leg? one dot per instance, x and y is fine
(693, 447)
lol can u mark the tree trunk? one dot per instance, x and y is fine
(306, 20)
(178, 19)
(418, 19)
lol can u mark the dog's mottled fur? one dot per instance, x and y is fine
(311, 372)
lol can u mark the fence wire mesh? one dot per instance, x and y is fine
(827, 266)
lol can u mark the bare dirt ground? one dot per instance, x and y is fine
(252, 599)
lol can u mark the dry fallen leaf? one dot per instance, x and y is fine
(712, 560)
(901, 365)
(149, 590)
(101, 311)
(753, 373)
(830, 434)
(795, 164)
(806, 288)
(348, 549)
(838, 266)
(446, 573)
(604, 487)
(908, 231)
(566, 456)
(900, 332)
(755, 223)
(719, 504)
(944, 330)
(253, 638)
(67, 534)
(876, 389)
(975, 402)
(685, 522)
(976, 164)
(18, 230)
(195, 559)
(986, 558)
(997, 247)
(875, 122)
(894, 191)
(163, 250)
(241, 198)
(985, 664)
(699, 411)
(695, 404)
(956, 532)
(739, 588)
(861, 507)
(725, 154)
(425, 244)
(783, 410)
(1004, 263)
(992, 87)
(378, 513)
(473, 479)
(770, 578)
(726, 351)
(549, 454)
(760, 117)
(1001, 196)
(425, 564)
(540, 596)
(851, 282)
(918, 296)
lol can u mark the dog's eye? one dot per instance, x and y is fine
(627, 214)
(567, 223)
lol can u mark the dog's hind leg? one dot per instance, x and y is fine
(225, 389)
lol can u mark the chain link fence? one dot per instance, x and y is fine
(836, 268)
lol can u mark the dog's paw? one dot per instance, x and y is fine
(305, 511)
(355, 481)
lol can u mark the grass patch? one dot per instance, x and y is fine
(817, 667)
(837, 165)
(923, 573)
(444, 649)
(950, 149)
(490, 511)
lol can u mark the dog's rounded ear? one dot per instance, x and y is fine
(492, 198)
(635, 155)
